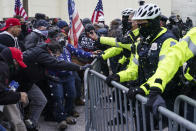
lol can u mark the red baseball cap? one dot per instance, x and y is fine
(17, 55)
(10, 22)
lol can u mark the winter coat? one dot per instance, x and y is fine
(69, 50)
(38, 61)
(86, 43)
(78, 52)
(8, 40)
(60, 76)
(6, 96)
(33, 39)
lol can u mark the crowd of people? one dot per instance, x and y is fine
(38, 71)
(41, 72)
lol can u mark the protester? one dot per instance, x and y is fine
(189, 23)
(38, 35)
(8, 38)
(163, 21)
(144, 56)
(173, 26)
(11, 60)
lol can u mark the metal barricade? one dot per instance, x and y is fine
(96, 65)
(185, 107)
(108, 109)
(170, 116)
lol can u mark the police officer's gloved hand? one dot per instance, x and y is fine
(126, 53)
(99, 56)
(134, 91)
(113, 77)
(82, 68)
(118, 67)
(124, 40)
(155, 100)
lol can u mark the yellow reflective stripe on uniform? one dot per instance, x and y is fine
(136, 32)
(160, 33)
(188, 76)
(191, 45)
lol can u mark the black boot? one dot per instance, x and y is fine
(30, 125)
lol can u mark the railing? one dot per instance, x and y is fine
(189, 106)
(108, 109)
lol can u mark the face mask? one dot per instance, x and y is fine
(150, 29)
(124, 20)
(129, 25)
(44, 33)
(144, 29)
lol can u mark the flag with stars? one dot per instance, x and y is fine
(97, 12)
(76, 27)
(19, 10)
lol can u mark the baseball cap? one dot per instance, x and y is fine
(10, 22)
(62, 24)
(42, 23)
(17, 55)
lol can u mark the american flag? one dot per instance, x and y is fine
(97, 12)
(19, 10)
(76, 27)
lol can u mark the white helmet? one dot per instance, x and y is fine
(147, 11)
(127, 12)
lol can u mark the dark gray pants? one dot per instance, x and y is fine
(37, 103)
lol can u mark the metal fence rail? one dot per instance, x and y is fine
(108, 109)
(188, 107)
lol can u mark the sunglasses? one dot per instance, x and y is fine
(91, 32)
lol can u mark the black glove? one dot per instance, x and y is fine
(126, 53)
(155, 100)
(124, 40)
(134, 91)
(99, 56)
(113, 77)
(118, 67)
(82, 68)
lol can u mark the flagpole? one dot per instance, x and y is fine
(26, 7)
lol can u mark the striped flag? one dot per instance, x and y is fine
(76, 27)
(19, 10)
(97, 12)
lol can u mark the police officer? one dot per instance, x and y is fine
(177, 55)
(121, 44)
(126, 26)
(154, 43)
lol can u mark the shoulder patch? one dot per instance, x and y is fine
(172, 43)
